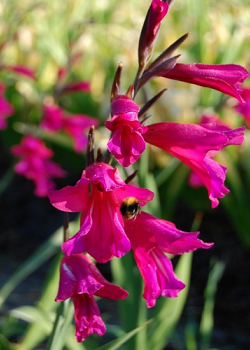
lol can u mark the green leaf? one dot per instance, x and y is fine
(126, 275)
(41, 255)
(64, 317)
(46, 250)
(32, 314)
(207, 319)
(35, 334)
(5, 344)
(115, 344)
(168, 310)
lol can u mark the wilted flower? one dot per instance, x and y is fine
(35, 164)
(150, 238)
(98, 195)
(81, 280)
(55, 119)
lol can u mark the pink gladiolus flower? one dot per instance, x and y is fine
(83, 86)
(126, 142)
(98, 195)
(214, 123)
(150, 238)
(75, 125)
(192, 144)
(81, 280)
(195, 145)
(52, 118)
(35, 164)
(55, 119)
(157, 11)
(245, 110)
(28, 72)
(6, 109)
(225, 78)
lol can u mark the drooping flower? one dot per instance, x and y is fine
(35, 164)
(150, 238)
(126, 142)
(244, 110)
(6, 109)
(55, 119)
(214, 123)
(225, 78)
(81, 280)
(194, 145)
(98, 195)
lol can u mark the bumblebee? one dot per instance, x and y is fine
(130, 208)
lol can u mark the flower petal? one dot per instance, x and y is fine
(70, 198)
(87, 317)
(193, 145)
(225, 78)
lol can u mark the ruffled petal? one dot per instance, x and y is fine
(87, 317)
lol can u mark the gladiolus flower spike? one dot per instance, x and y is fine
(112, 221)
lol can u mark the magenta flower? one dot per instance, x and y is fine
(52, 118)
(75, 125)
(98, 195)
(6, 109)
(126, 142)
(214, 123)
(225, 78)
(35, 164)
(28, 72)
(244, 110)
(194, 145)
(156, 12)
(150, 238)
(81, 280)
(83, 86)
(56, 119)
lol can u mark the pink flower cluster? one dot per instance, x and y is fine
(55, 119)
(192, 144)
(112, 222)
(6, 109)
(35, 164)
(99, 195)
